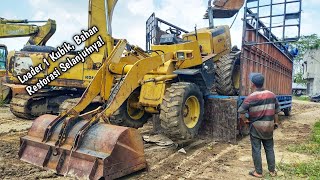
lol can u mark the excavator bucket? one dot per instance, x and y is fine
(106, 150)
(226, 8)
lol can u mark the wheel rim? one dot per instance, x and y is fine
(191, 112)
(134, 113)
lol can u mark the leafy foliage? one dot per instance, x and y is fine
(303, 45)
(306, 43)
(298, 78)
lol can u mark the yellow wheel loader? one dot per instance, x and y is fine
(170, 79)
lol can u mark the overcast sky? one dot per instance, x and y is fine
(129, 17)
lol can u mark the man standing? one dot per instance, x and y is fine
(263, 108)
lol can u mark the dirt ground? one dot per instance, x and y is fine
(204, 159)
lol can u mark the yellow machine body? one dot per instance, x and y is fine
(71, 83)
(213, 41)
(4, 90)
(39, 35)
(170, 80)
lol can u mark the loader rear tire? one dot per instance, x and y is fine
(129, 117)
(228, 74)
(182, 110)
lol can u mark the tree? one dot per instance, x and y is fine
(304, 44)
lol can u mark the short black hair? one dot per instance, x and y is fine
(257, 79)
(259, 85)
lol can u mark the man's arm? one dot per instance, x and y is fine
(243, 109)
(244, 118)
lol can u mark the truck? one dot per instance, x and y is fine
(261, 51)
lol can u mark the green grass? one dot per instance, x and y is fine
(304, 170)
(309, 148)
(310, 169)
(302, 98)
(312, 146)
(316, 133)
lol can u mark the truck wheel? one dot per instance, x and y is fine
(228, 74)
(128, 115)
(182, 110)
(287, 111)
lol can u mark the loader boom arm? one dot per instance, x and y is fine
(133, 79)
(100, 15)
(39, 35)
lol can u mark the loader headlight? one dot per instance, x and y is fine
(184, 55)
(180, 55)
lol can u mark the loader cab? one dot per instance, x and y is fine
(212, 41)
(3, 56)
(169, 39)
(171, 36)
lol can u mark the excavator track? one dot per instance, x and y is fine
(19, 106)
(68, 104)
(72, 102)
(30, 107)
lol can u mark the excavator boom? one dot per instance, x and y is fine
(39, 35)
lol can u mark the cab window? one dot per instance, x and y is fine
(3, 56)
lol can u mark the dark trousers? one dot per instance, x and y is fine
(256, 153)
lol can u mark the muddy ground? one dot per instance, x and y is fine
(204, 159)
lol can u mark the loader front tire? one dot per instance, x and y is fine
(128, 116)
(228, 74)
(182, 110)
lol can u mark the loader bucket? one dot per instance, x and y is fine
(106, 150)
(226, 8)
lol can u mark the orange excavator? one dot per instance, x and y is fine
(86, 145)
